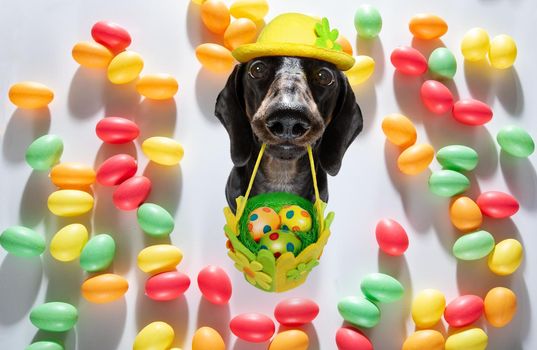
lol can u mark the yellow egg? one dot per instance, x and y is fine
(363, 68)
(215, 15)
(155, 336)
(345, 44)
(215, 58)
(29, 94)
(293, 339)
(159, 258)
(465, 214)
(500, 306)
(67, 243)
(91, 54)
(415, 159)
(157, 86)
(469, 339)
(163, 150)
(240, 31)
(475, 44)
(72, 175)
(206, 338)
(104, 288)
(502, 51)
(70, 202)
(506, 257)
(125, 67)
(198, 2)
(428, 307)
(255, 10)
(426, 339)
(399, 130)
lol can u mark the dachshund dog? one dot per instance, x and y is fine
(287, 103)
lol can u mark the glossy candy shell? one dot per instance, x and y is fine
(241, 31)
(111, 35)
(415, 159)
(473, 246)
(68, 242)
(22, 241)
(255, 10)
(163, 150)
(382, 288)
(206, 338)
(155, 220)
(125, 67)
(348, 338)
(463, 310)
(90, 54)
(215, 58)
(252, 327)
(498, 205)
(407, 60)
(98, 254)
(391, 237)
(428, 307)
(132, 193)
(472, 112)
(44, 152)
(167, 285)
(506, 257)
(215, 285)
(71, 175)
(424, 339)
(436, 97)
(293, 339)
(515, 141)
(502, 51)
(54, 316)
(30, 94)
(157, 86)
(448, 183)
(470, 339)
(500, 306)
(293, 312)
(359, 311)
(215, 16)
(399, 130)
(159, 258)
(116, 169)
(155, 336)
(367, 21)
(69, 202)
(116, 130)
(427, 26)
(361, 71)
(465, 214)
(104, 288)
(457, 157)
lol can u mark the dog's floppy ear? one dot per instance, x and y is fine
(230, 111)
(345, 125)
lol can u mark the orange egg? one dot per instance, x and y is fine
(345, 44)
(399, 130)
(241, 31)
(215, 57)
(465, 214)
(500, 306)
(104, 288)
(72, 175)
(91, 54)
(215, 16)
(415, 159)
(427, 26)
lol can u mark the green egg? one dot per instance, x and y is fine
(22, 241)
(382, 288)
(279, 242)
(98, 253)
(155, 220)
(515, 141)
(442, 63)
(457, 157)
(359, 311)
(44, 152)
(44, 345)
(473, 246)
(367, 21)
(448, 183)
(54, 317)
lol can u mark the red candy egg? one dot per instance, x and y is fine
(436, 97)
(131, 193)
(391, 237)
(117, 130)
(348, 338)
(111, 35)
(167, 285)
(497, 204)
(472, 112)
(214, 284)
(464, 310)
(408, 60)
(295, 312)
(252, 327)
(116, 169)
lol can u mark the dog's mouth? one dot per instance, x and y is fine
(286, 151)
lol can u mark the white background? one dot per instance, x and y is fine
(35, 44)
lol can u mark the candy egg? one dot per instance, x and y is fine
(116, 130)
(104, 288)
(91, 55)
(408, 60)
(255, 10)
(465, 214)
(293, 312)
(131, 193)
(69, 202)
(155, 336)
(502, 51)
(215, 285)
(111, 35)
(163, 150)
(280, 242)
(44, 152)
(359, 311)
(125, 67)
(157, 86)
(472, 112)
(295, 218)
(382, 288)
(367, 21)
(399, 130)
(425, 339)
(159, 258)
(473, 246)
(471, 339)
(391, 237)
(292, 339)
(448, 183)
(498, 205)
(116, 169)
(54, 316)
(215, 16)
(252, 327)
(345, 44)
(428, 307)
(463, 310)
(363, 68)
(500, 306)
(442, 63)
(44, 345)
(215, 58)
(415, 159)
(475, 44)
(155, 220)
(348, 338)
(241, 31)
(98, 253)
(22, 241)
(506, 257)
(515, 141)
(427, 26)
(262, 220)
(71, 175)
(30, 94)
(207, 338)
(167, 285)
(457, 157)
(436, 97)
(67, 243)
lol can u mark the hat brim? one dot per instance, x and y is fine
(247, 52)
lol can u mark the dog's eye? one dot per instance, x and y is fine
(258, 70)
(324, 77)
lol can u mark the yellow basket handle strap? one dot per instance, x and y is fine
(316, 188)
(242, 204)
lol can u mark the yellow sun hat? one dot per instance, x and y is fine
(296, 34)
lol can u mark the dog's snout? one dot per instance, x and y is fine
(288, 126)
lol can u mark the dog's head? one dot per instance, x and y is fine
(289, 103)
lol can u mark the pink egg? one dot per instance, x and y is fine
(167, 285)
(112, 35)
(436, 97)
(214, 284)
(116, 169)
(391, 237)
(348, 338)
(463, 310)
(497, 204)
(131, 193)
(295, 312)
(408, 60)
(116, 130)
(472, 112)
(252, 327)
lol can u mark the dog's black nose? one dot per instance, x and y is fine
(288, 126)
